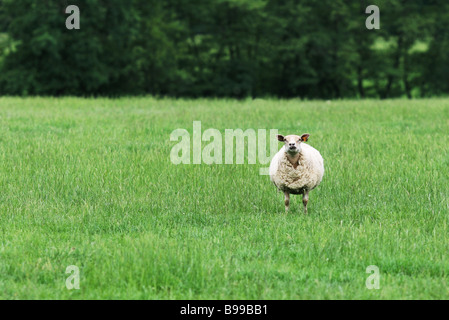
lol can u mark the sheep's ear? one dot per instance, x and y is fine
(305, 137)
(281, 138)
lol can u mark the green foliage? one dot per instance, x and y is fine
(225, 48)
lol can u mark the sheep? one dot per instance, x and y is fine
(297, 168)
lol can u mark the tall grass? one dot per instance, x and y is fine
(89, 182)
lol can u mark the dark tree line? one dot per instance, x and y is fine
(225, 48)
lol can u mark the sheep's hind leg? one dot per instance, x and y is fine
(305, 200)
(287, 201)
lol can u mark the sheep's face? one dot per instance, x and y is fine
(293, 142)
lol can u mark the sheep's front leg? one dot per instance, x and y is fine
(287, 201)
(305, 200)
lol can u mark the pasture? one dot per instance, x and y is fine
(89, 183)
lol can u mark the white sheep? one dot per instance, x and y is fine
(297, 168)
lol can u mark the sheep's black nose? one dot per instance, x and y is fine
(292, 144)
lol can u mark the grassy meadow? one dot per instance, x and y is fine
(89, 182)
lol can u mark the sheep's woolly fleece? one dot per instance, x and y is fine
(306, 176)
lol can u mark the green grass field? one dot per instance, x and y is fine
(89, 182)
